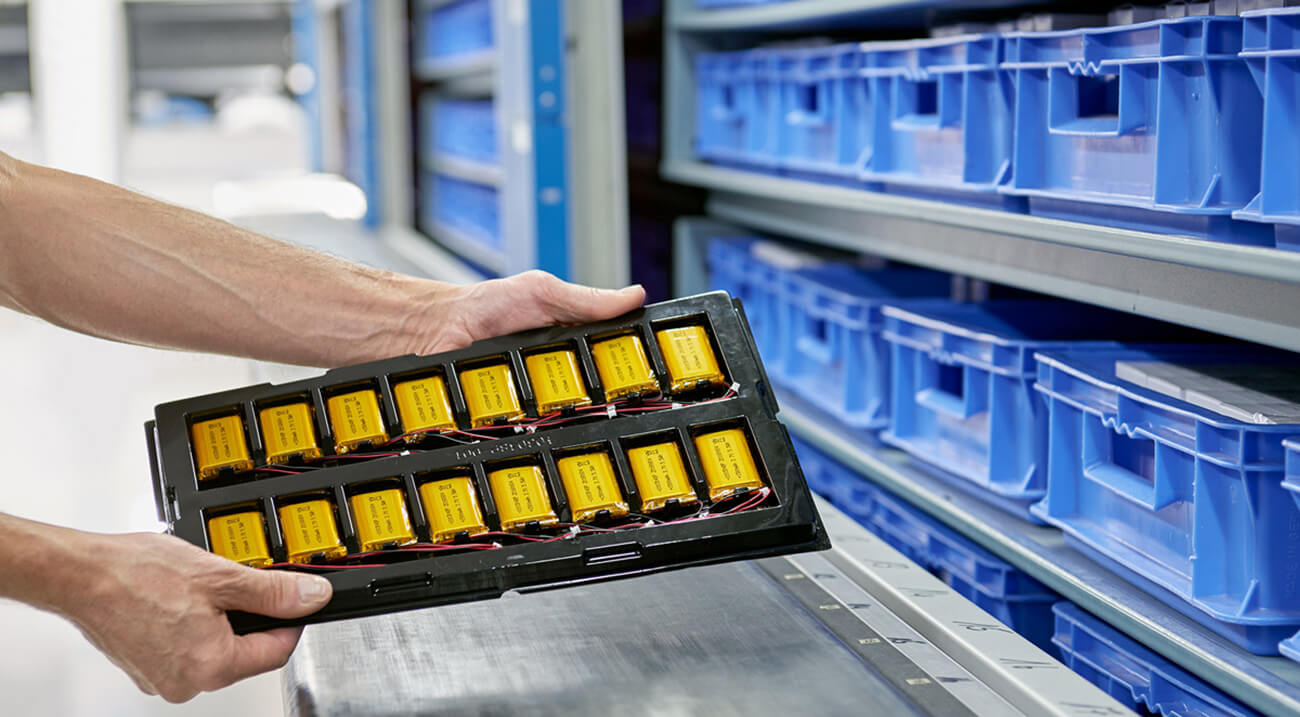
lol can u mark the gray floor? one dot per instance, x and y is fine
(99, 394)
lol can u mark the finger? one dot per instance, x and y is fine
(574, 303)
(260, 652)
(275, 593)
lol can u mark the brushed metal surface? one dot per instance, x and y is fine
(721, 640)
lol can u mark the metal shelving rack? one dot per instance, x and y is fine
(562, 206)
(1249, 293)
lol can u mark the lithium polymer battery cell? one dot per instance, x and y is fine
(288, 433)
(490, 395)
(660, 476)
(219, 445)
(557, 381)
(623, 367)
(689, 358)
(520, 495)
(382, 520)
(240, 537)
(452, 509)
(423, 406)
(356, 420)
(728, 463)
(310, 531)
(590, 484)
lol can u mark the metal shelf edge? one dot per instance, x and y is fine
(466, 246)
(1245, 260)
(477, 63)
(466, 169)
(435, 261)
(1270, 684)
(784, 14)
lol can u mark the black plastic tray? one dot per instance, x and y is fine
(787, 522)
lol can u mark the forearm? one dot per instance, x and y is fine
(44, 565)
(111, 263)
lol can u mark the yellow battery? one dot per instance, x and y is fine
(382, 520)
(728, 463)
(451, 507)
(689, 357)
(288, 432)
(623, 367)
(240, 537)
(356, 420)
(660, 476)
(423, 405)
(311, 531)
(557, 381)
(521, 498)
(490, 395)
(219, 445)
(590, 484)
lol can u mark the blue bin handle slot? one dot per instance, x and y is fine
(810, 103)
(926, 103)
(725, 111)
(1086, 102)
(1103, 465)
(943, 390)
(817, 345)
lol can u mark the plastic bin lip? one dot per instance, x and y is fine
(1079, 61)
(1098, 369)
(1118, 29)
(918, 70)
(844, 284)
(971, 321)
(1263, 12)
(926, 42)
(1079, 66)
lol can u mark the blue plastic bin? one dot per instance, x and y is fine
(1015, 599)
(1153, 126)
(729, 268)
(455, 30)
(461, 128)
(719, 118)
(942, 117)
(738, 107)
(762, 283)
(1182, 501)
(472, 210)
(825, 111)
(737, 268)
(1132, 674)
(962, 396)
(1271, 49)
(1291, 647)
(832, 351)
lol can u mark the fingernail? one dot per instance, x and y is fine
(630, 289)
(313, 589)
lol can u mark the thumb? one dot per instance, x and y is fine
(574, 303)
(278, 593)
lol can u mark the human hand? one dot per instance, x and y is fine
(524, 301)
(157, 610)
